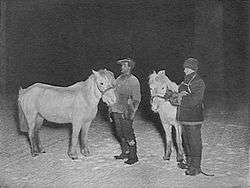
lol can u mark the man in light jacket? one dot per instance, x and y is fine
(123, 111)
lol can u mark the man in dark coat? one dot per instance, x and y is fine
(190, 115)
(123, 111)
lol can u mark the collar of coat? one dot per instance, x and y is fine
(190, 77)
(124, 76)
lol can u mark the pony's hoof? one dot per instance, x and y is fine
(42, 150)
(85, 153)
(179, 160)
(165, 158)
(73, 156)
(34, 154)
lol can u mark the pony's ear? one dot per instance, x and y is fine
(154, 72)
(161, 72)
(95, 73)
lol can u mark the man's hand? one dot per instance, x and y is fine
(176, 98)
(110, 114)
(183, 93)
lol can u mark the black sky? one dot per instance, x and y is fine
(60, 42)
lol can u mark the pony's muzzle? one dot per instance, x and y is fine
(109, 97)
(154, 106)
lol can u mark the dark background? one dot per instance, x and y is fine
(60, 41)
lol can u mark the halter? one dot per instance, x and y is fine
(158, 96)
(162, 97)
(103, 92)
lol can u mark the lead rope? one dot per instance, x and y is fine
(206, 174)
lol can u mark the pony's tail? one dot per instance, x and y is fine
(20, 91)
(23, 124)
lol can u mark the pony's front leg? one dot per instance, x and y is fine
(179, 150)
(84, 139)
(168, 148)
(76, 126)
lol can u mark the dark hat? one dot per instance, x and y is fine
(131, 62)
(191, 63)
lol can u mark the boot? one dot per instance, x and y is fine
(195, 168)
(125, 151)
(186, 164)
(192, 171)
(132, 158)
(182, 165)
(196, 162)
(132, 161)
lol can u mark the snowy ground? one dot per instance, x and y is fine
(225, 135)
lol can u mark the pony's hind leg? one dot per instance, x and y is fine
(179, 149)
(32, 138)
(168, 147)
(84, 139)
(39, 122)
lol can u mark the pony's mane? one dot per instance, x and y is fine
(108, 74)
(152, 78)
(162, 78)
(103, 73)
(92, 78)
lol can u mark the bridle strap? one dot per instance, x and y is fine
(158, 96)
(103, 92)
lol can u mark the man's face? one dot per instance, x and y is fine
(125, 68)
(188, 71)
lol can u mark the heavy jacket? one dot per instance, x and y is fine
(127, 89)
(190, 112)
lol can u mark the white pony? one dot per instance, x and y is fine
(76, 104)
(159, 84)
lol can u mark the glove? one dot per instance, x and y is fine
(168, 94)
(175, 100)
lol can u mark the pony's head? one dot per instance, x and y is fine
(159, 83)
(105, 83)
(158, 88)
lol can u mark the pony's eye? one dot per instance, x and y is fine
(102, 83)
(162, 88)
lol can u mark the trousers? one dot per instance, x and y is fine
(125, 134)
(192, 144)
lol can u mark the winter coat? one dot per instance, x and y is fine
(190, 112)
(127, 89)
